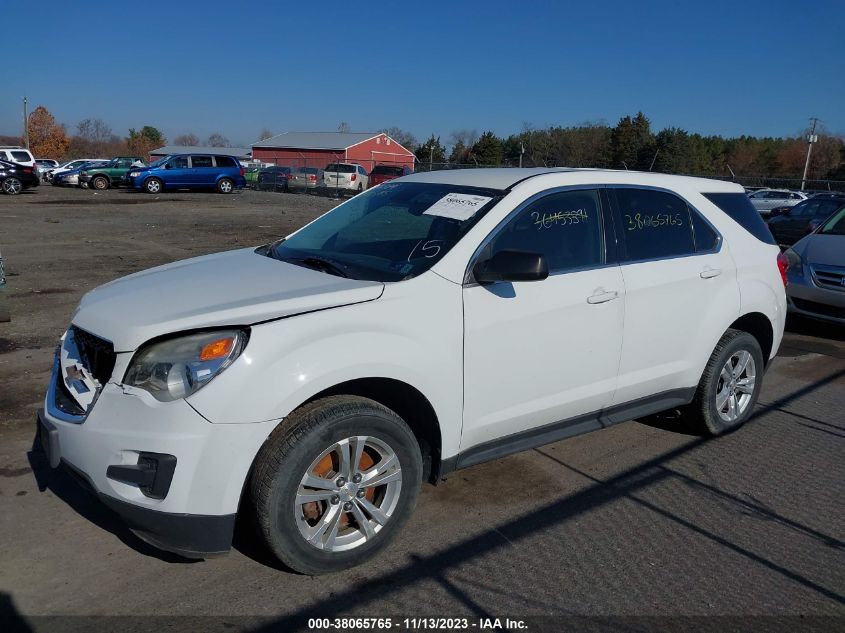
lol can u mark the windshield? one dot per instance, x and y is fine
(389, 233)
(835, 224)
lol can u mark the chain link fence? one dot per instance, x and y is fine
(333, 175)
(330, 174)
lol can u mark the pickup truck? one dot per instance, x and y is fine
(112, 174)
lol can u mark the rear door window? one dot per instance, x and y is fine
(654, 224)
(201, 161)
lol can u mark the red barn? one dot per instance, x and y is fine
(318, 149)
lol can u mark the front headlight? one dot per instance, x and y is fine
(134, 174)
(177, 367)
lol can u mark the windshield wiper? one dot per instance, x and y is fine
(324, 265)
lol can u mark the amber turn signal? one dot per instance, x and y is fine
(217, 349)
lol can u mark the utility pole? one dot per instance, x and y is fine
(431, 158)
(521, 152)
(25, 125)
(810, 140)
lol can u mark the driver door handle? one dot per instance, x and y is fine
(602, 296)
(709, 273)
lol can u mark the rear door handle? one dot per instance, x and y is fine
(602, 297)
(709, 273)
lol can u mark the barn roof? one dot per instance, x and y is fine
(237, 152)
(316, 140)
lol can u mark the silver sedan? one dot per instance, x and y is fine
(817, 272)
(765, 200)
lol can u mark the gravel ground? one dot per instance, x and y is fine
(635, 520)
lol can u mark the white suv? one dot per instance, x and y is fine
(17, 154)
(432, 323)
(346, 176)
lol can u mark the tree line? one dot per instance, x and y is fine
(630, 144)
(95, 138)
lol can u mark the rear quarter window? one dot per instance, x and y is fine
(224, 161)
(21, 156)
(738, 207)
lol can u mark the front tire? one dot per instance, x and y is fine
(12, 186)
(335, 483)
(730, 385)
(153, 185)
(100, 182)
(225, 185)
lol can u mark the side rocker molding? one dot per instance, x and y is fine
(564, 429)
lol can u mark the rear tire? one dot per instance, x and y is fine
(343, 523)
(225, 185)
(729, 386)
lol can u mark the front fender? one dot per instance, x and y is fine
(399, 336)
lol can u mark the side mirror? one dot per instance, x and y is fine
(511, 266)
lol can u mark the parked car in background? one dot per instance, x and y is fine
(70, 177)
(817, 272)
(795, 222)
(4, 308)
(305, 179)
(251, 176)
(765, 200)
(273, 178)
(314, 383)
(44, 165)
(112, 174)
(190, 171)
(17, 154)
(15, 177)
(72, 164)
(345, 177)
(383, 173)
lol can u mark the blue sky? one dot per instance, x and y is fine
(760, 68)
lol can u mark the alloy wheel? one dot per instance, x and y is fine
(735, 387)
(12, 186)
(348, 494)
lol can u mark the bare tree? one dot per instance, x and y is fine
(404, 138)
(265, 134)
(217, 140)
(467, 138)
(343, 127)
(93, 137)
(186, 140)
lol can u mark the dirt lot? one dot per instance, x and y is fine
(59, 243)
(633, 520)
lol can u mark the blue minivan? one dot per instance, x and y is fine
(190, 171)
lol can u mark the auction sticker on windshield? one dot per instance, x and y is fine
(457, 206)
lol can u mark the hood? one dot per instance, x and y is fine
(232, 288)
(826, 250)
